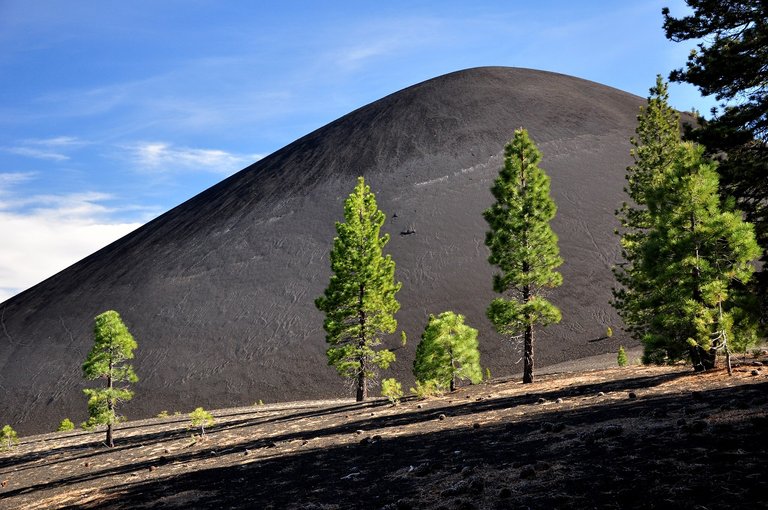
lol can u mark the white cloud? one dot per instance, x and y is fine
(36, 153)
(44, 234)
(51, 149)
(164, 157)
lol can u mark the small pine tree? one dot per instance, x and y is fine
(359, 303)
(66, 425)
(621, 357)
(487, 374)
(447, 351)
(113, 346)
(523, 246)
(201, 418)
(8, 437)
(608, 332)
(392, 389)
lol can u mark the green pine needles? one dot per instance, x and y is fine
(113, 346)
(523, 246)
(359, 303)
(686, 257)
(448, 351)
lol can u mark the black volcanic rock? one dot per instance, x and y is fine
(219, 291)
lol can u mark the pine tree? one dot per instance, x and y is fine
(729, 63)
(523, 246)
(448, 351)
(359, 303)
(654, 150)
(687, 258)
(113, 345)
(621, 357)
(8, 437)
(201, 418)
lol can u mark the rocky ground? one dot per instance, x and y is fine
(637, 437)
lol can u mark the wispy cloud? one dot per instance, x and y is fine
(51, 149)
(164, 157)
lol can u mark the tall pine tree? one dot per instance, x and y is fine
(685, 258)
(448, 351)
(654, 148)
(359, 303)
(113, 346)
(523, 246)
(729, 63)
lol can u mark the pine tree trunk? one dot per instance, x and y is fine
(362, 386)
(528, 355)
(453, 373)
(527, 339)
(110, 408)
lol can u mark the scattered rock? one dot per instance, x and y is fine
(505, 493)
(366, 440)
(152, 468)
(600, 394)
(359, 432)
(377, 438)
(755, 372)
(757, 363)
(422, 469)
(441, 417)
(466, 471)
(559, 400)
(547, 426)
(632, 395)
(167, 450)
(527, 473)
(419, 406)
(541, 400)
(246, 452)
(475, 425)
(460, 487)
(86, 464)
(4, 483)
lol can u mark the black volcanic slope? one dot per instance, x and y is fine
(219, 291)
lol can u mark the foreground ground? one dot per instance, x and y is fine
(638, 437)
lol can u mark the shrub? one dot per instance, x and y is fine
(487, 374)
(8, 437)
(66, 425)
(162, 414)
(200, 418)
(428, 388)
(621, 357)
(392, 389)
(608, 332)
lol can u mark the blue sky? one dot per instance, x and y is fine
(112, 112)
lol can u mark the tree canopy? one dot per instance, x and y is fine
(730, 63)
(113, 346)
(523, 246)
(448, 351)
(686, 259)
(359, 302)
